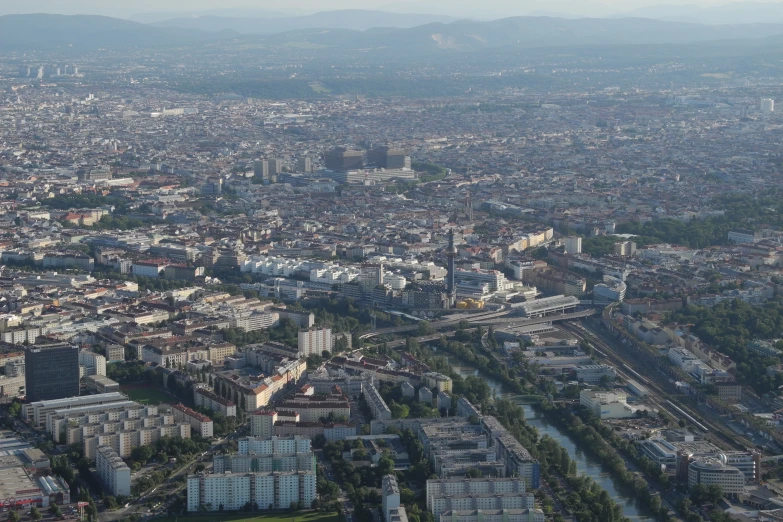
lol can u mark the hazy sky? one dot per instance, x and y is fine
(472, 8)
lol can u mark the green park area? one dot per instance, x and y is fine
(305, 516)
(149, 395)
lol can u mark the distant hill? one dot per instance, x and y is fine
(82, 32)
(730, 13)
(530, 32)
(352, 19)
(45, 32)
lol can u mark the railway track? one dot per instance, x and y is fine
(659, 396)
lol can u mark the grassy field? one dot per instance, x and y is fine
(247, 517)
(149, 396)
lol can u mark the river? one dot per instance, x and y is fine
(585, 464)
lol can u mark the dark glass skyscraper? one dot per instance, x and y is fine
(51, 372)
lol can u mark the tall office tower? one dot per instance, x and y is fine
(261, 169)
(51, 372)
(767, 105)
(451, 253)
(573, 245)
(304, 164)
(388, 158)
(341, 159)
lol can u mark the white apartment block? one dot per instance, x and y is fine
(93, 363)
(200, 423)
(36, 411)
(315, 341)
(461, 487)
(264, 463)
(494, 515)
(274, 445)
(262, 424)
(573, 245)
(204, 398)
(482, 501)
(124, 441)
(390, 495)
(231, 491)
(115, 475)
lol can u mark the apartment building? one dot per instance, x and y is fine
(268, 490)
(461, 487)
(114, 474)
(204, 398)
(493, 515)
(264, 463)
(36, 412)
(199, 423)
(317, 407)
(378, 407)
(274, 445)
(314, 341)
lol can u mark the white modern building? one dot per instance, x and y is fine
(767, 105)
(612, 290)
(593, 373)
(715, 471)
(234, 491)
(607, 405)
(114, 474)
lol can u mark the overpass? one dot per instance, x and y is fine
(491, 318)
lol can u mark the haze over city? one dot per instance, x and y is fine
(424, 261)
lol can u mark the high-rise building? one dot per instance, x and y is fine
(115, 475)
(388, 158)
(268, 490)
(341, 159)
(304, 164)
(767, 105)
(51, 372)
(315, 341)
(275, 167)
(371, 275)
(261, 169)
(573, 245)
